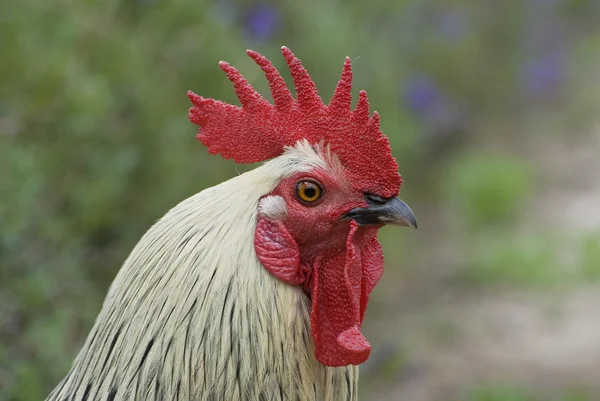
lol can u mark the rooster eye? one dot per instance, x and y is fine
(308, 191)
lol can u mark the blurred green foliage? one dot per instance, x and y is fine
(590, 256)
(95, 144)
(488, 189)
(500, 393)
(515, 260)
(515, 393)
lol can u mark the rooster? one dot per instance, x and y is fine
(255, 289)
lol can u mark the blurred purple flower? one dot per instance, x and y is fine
(441, 116)
(544, 40)
(262, 21)
(421, 95)
(543, 75)
(453, 25)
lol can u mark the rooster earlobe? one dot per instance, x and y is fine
(278, 251)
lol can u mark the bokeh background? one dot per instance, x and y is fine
(492, 111)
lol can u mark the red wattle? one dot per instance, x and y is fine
(341, 284)
(278, 251)
(353, 341)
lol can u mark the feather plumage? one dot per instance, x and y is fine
(176, 325)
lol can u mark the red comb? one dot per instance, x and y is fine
(259, 130)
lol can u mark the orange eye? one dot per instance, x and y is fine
(308, 191)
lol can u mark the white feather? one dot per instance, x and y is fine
(192, 315)
(273, 207)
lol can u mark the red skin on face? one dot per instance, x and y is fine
(336, 261)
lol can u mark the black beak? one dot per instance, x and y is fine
(391, 211)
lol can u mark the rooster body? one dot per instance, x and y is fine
(176, 322)
(255, 289)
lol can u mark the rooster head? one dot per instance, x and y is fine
(318, 227)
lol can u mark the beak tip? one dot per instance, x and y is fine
(393, 211)
(407, 215)
(413, 221)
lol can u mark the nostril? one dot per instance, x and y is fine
(374, 199)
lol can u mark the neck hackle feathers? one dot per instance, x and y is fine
(259, 130)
